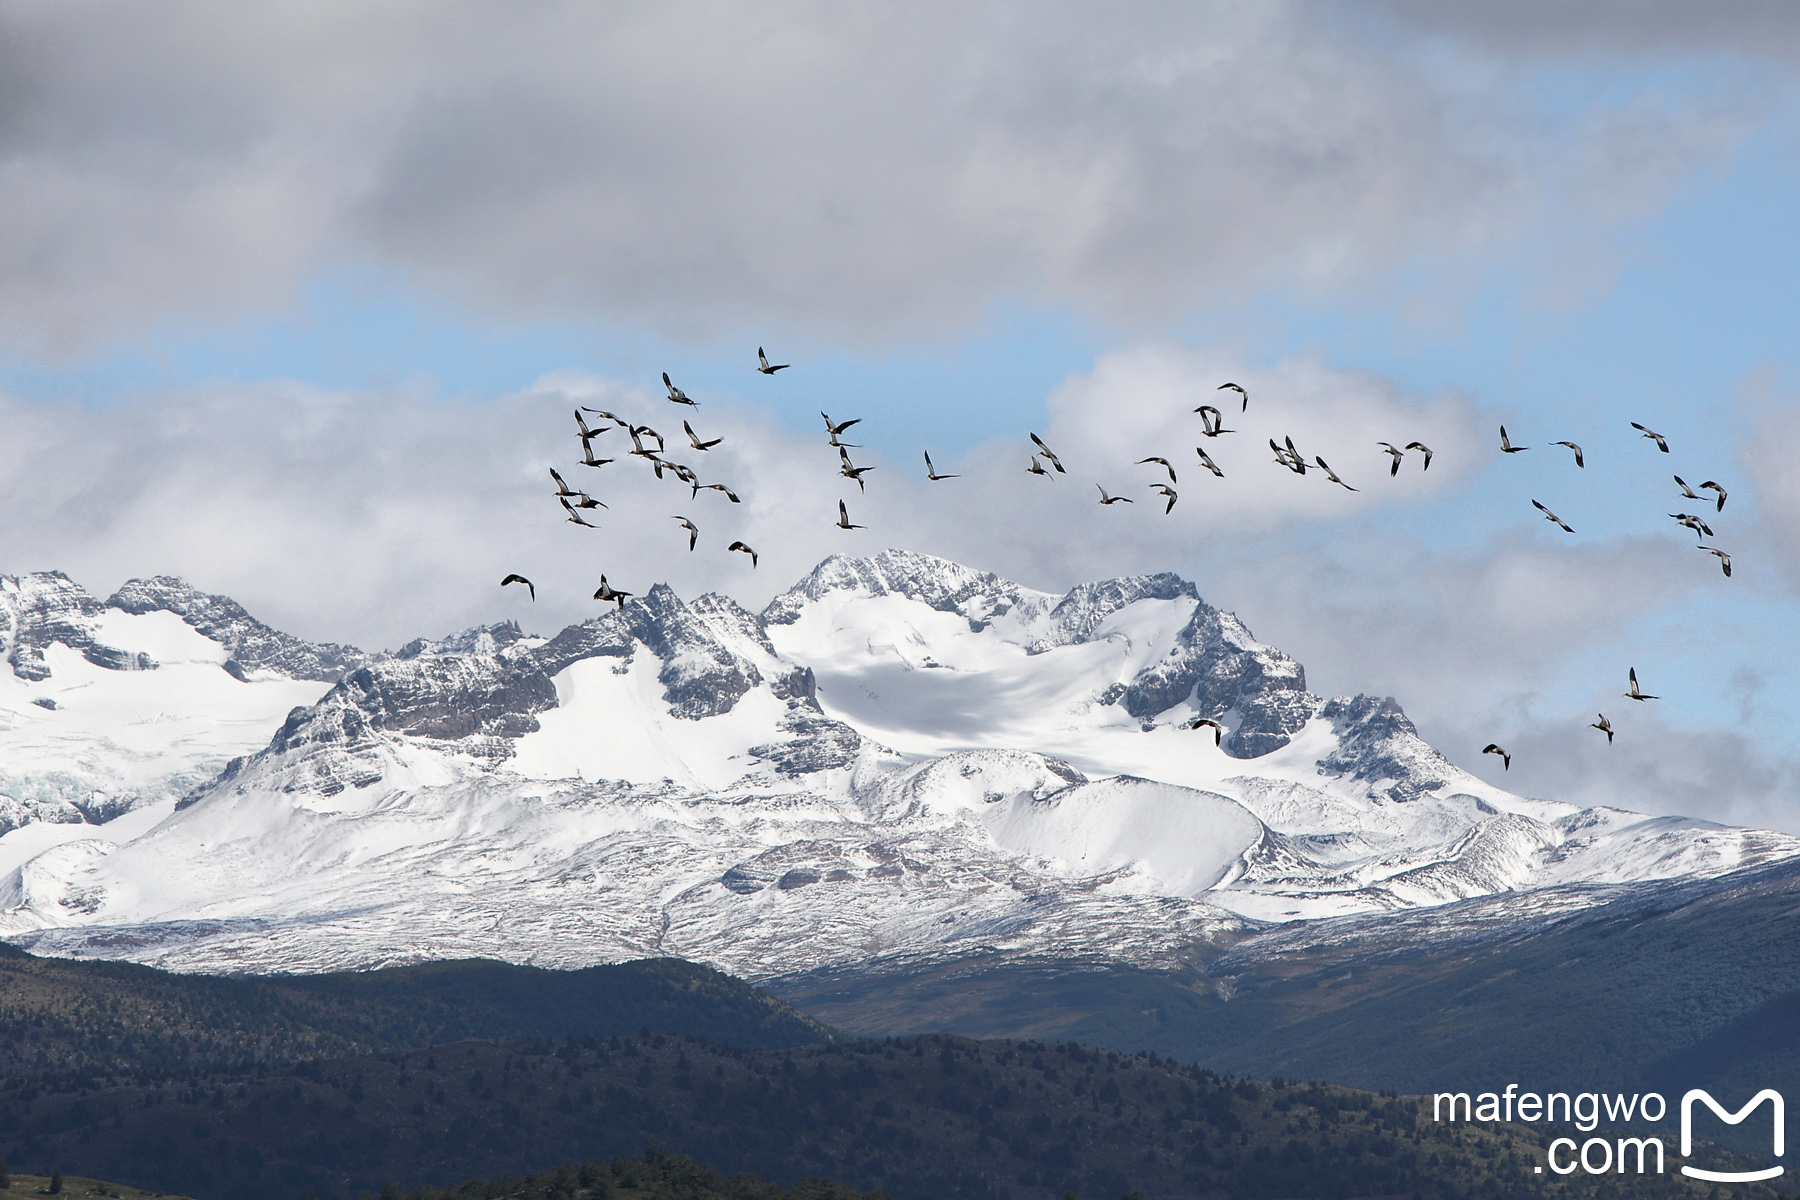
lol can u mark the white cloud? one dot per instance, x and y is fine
(856, 172)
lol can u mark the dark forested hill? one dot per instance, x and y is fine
(927, 1118)
(59, 1016)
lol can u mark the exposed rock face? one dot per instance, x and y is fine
(252, 645)
(944, 585)
(46, 607)
(1377, 743)
(703, 676)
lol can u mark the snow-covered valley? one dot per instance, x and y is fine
(900, 760)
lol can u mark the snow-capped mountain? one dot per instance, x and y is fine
(899, 760)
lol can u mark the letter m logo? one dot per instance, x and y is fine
(1732, 1118)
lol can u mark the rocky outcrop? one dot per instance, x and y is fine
(45, 607)
(251, 645)
(1379, 746)
(978, 596)
(701, 675)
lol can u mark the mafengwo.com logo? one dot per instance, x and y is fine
(1620, 1155)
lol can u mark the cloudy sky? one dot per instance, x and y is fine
(295, 301)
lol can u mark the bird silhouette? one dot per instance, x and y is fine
(1332, 475)
(676, 395)
(562, 486)
(1232, 387)
(1049, 456)
(695, 438)
(615, 418)
(762, 363)
(1425, 450)
(1724, 558)
(1700, 528)
(1505, 758)
(931, 471)
(851, 471)
(574, 516)
(1506, 446)
(693, 532)
(836, 427)
(588, 460)
(1208, 723)
(1634, 693)
(520, 579)
(1552, 517)
(1036, 467)
(1661, 442)
(1395, 453)
(747, 550)
(1167, 492)
(583, 432)
(1207, 462)
(1709, 485)
(1165, 466)
(1604, 726)
(716, 487)
(1212, 421)
(1575, 448)
(843, 521)
(1106, 499)
(607, 592)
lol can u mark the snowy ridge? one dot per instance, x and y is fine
(900, 760)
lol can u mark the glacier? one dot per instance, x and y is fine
(898, 761)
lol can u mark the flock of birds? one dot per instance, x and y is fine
(650, 446)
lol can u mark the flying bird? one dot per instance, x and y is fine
(843, 521)
(523, 580)
(588, 460)
(1212, 421)
(1165, 466)
(1505, 758)
(685, 474)
(695, 438)
(1289, 457)
(1036, 467)
(586, 501)
(676, 395)
(1661, 443)
(693, 532)
(1207, 462)
(1106, 499)
(1232, 387)
(1550, 516)
(1709, 485)
(574, 516)
(1604, 726)
(746, 550)
(1724, 558)
(1395, 453)
(1634, 693)
(1332, 475)
(1424, 449)
(1506, 446)
(583, 432)
(1169, 492)
(931, 471)
(715, 487)
(1575, 448)
(1209, 723)
(607, 592)
(762, 363)
(1049, 456)
(1700, 528)
(1687, 493)
(851, 471)
(835, 428)
(615, 418)
(562, 487)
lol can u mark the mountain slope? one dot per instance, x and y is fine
(901, 761)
